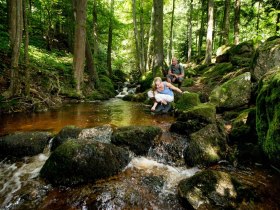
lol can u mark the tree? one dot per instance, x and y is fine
(201, 30)
(158, 36)
(225, 29)
(80, 41)
(150, 49)
(110, 39)
(190, 32)
(26, 44)
(170, 46)
(16, 25)
(209, 38)
(236, 21)
(136, 37)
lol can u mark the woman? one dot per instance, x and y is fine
(163, 92)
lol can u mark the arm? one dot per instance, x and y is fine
(173, 87)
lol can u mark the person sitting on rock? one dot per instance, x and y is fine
(175, 73)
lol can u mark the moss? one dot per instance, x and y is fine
(268, 116)
(188, 82)
(187, 100)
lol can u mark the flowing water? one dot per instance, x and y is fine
(146, 183)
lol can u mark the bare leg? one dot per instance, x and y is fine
(154, 106)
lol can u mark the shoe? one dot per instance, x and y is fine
(167, 107)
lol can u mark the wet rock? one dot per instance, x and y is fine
(23, 144)
(137, 138)
(233, 93)
(81, 161)
(101, 133)
(267, 58)
(213, 190)
(206, 146)
(268, 116)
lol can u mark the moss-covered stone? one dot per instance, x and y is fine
(137, 138)
(106, 87)
(206, 146)
(268, 116)
(81, 161)
(205, 112)
(23, 144)
(186, 101)
(211, 189)
(233, 93)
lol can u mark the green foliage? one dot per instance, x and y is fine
(146, 81)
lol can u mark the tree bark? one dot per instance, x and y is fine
(136, 37)
(201, 30)
(225, 29)
(16, 26)
(277, 23)
(26, 45)
(142, 41)
(80, 42)
(158, 36)
(236, 21)
(150, 50)
(170, 47)
(110, 39)
(190, 32)
(209, 38)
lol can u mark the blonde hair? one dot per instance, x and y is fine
(154, 82)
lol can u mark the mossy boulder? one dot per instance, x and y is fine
(268, 116)
(266, 59)
(137, 138)
(241, 55)
(187, 100)
(82, 161)
(206, 146)
(100, 133)
(194, 119)
(211, 189)
(23, 144)
(233, 93)
(106, 88)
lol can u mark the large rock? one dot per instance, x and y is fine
(194, 119)
(233, 93)
(23, 144)
(267, 58)
(213, 190)
(268, 116)
(206, 146)
(101, 133)
(81, 161)
(137, 138)
(241, 55)
(187, 100)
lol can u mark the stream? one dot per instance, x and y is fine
(148, 182)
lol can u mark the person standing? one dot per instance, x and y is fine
(176, 73)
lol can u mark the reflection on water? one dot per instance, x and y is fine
(115, 112)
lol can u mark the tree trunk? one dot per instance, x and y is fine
(236, 21)
(80, 42)
(142, 42)
(225, 27)
(158, 36)
(93, 76)
(258, 18)
(110, 39)
(16, 25)
(209, 38)
(136, 37)
(95, 44)
(150, 50)
(170, 47)
(277, 23)
(190, 32)
(201, 30)
(26, 45)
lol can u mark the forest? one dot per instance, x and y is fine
(84, 48)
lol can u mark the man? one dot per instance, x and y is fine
(175, 73)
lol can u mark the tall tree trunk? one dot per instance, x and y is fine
(110, 39)
(201, 30)
(142, 42)
(26, 45)
(16, 25)
(136, 37)
(95, 44)
(158, 36)
(258, 18)
(190, 32)
(277, 23)
(225, 27)
(236, 21)
(93, 76)
(80, 42)
(209, 38)
(150, 50)
(170, 46)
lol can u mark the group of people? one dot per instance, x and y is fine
(162, 91)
